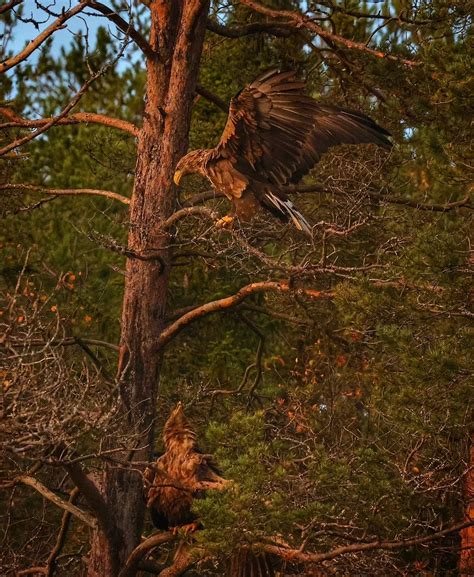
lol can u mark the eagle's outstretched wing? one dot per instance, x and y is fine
(281, 133)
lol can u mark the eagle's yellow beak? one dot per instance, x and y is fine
(177, 177)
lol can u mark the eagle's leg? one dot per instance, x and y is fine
(186, 529)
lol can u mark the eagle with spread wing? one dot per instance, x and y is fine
(274, 135)
(182, 474)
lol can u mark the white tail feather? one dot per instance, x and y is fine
(287, 207)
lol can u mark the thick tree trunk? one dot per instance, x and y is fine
(466, 559)
(177, 33)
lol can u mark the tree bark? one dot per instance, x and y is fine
(176, 37)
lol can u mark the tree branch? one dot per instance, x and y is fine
(66, 505)
(299, 555)
(222, 304)
(92, 496)
(9, 5)
(136, 556)
(208, 95)
(125, 26)
(51, 562)
(64, 112)
(34, 44)
(66, 191)
(77, 118)
(300, 21)
(281, 29)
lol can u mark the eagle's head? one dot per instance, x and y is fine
(192, 162)
(177, 431)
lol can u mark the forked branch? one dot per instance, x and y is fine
(298, 21)
(85, 517)
(231, 301)
(305, 557)
(47, 32)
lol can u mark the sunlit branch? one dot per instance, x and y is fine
(47, 32)
(231, 301)
(9, 5)
(305, 557)
(64, 112)
(77, 118)
(66, 505)
(66, 191)
(298, 20)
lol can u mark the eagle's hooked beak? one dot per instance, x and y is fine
(177, 177)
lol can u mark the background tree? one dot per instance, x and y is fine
(335, 373)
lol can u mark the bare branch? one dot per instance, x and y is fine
(66, 191)
(228, 302)
(34, 44)
(66, 505)
(91, 495)
(300, 21)
(77, 118)
(142, 550)
(299, 555)
(281, 29)
(208, 95)
(55, 119)
(188, 211)
(125, 26)
(61, 538)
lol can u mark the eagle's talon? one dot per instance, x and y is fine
(225, 221)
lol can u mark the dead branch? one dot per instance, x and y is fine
(66, 191)
(208, 95)
(138, 554)
(228, 302)
(92, 496)
(125, 26)
(188, 211)
(51, 562)
(77, 118)
(281, 29)
(85, 517)
(64, 112)
(298, 21)
(300, 555)
(35, 43)
(68, 341)
(385, 198)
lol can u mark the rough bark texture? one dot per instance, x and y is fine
(176, 36)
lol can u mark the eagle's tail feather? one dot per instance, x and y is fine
(287, 209)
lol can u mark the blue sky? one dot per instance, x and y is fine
(26, 31)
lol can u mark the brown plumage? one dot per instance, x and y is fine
(179, 476)
(274, 135)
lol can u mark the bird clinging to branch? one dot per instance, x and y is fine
(274, 135)
(182, 474)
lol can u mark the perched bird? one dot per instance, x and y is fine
(274, 135)
(182, 474)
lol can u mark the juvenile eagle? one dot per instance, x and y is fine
(274, 135)
(179, 476)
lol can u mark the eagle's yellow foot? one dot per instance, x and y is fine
(185, 529)
(225, 222)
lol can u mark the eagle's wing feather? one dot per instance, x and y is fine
(281, 133)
